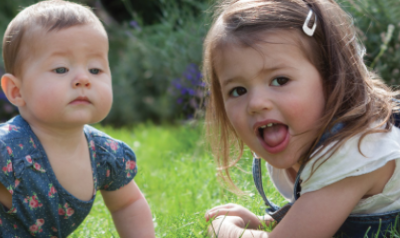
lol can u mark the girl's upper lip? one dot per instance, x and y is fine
(259, 124)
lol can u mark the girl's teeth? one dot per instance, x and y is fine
(265, 126)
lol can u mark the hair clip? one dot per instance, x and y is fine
(310, 31)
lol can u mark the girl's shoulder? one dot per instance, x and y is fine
(348, 160)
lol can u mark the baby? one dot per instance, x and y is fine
(57, 74)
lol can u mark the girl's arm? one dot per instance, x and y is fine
(130, 211)
(316, 214)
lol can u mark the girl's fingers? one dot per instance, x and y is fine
(220, 212)
(230, 209)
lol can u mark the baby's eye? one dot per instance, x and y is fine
(238, 91)
(61, 70)
(94, 71)
(279, 81)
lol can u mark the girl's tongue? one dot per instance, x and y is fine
(274, 135)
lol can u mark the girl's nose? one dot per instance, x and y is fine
(81, 80)
(259, 101)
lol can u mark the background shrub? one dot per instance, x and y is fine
(156, 51)
(148, 60)
(376, 19)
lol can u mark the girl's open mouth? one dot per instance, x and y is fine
(274, 136)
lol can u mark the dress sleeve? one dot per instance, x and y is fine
(7, 177)
(117, 170)
(376, 150)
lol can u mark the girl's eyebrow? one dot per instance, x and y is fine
(265, 70)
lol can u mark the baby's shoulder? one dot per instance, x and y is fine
(14, 129)
(103, 143)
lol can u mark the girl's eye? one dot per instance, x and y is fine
(238, 91)
(94, 71)
(60, 70)
(279, 81)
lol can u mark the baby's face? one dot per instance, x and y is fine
(65, 77)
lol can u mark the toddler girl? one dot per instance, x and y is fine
(57, 74)
(287, 79)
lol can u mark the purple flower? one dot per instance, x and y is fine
(189, 90)
(135, 25)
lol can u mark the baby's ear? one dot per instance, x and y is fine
(11, 87)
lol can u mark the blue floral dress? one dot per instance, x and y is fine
(41, 207)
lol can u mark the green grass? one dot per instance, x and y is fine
(178, 177)
(177, 174)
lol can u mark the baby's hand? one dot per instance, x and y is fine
(230, 209)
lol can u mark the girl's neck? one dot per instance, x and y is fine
(296, 167)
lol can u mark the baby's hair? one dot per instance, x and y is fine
(48, 15)
(354, 96)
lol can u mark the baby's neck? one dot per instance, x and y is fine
(68, 153)
(62, 140)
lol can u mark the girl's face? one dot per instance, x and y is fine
(65, 79)
(273, 96)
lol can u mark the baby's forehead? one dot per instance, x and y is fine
(37, 41)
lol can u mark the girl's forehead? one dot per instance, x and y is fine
(291, 38)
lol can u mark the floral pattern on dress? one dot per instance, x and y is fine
(112, 144)
(25, 164)
(32, 142)
(16, 183)
(37, 227)
(13, 128)
(8, 169)
(33, 201)
(52, 190)
(130, 165)
(9, 151)
(38, 167)
(65, 210)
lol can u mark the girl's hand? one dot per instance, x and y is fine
(250, 219)
(226, 226)
(232, 227)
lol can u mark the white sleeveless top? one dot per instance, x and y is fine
(347, 161)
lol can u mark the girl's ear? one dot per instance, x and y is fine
(11, 87)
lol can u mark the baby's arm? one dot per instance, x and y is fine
(130, 211)
(314, 214)
(5, 196)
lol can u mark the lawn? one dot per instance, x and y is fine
(177, 174)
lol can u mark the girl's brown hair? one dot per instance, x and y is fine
(354, 96)
(49, 15)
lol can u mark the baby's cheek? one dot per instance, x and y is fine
(105, 101)
(48, 100)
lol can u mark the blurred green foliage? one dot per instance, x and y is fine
(147, 60)
(376, 19)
